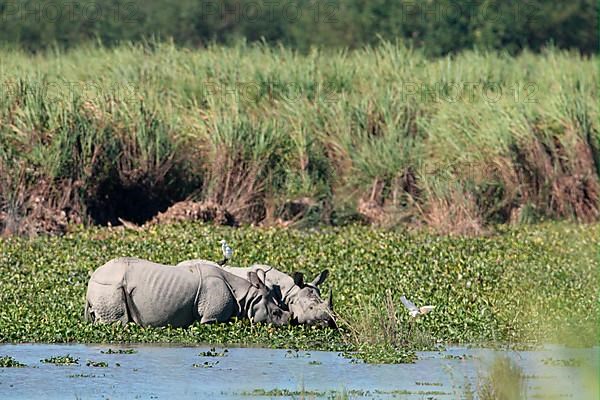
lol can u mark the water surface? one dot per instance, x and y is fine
(165, 372)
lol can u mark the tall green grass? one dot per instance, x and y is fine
(379, 134)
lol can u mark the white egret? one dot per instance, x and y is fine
(413, 309)
(227, 252)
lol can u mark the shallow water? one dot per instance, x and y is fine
(165, 372)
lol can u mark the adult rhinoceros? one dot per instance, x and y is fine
(302, 299)
(150, 294)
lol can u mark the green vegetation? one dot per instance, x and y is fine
(458, 357)
(205, 364)
(283, 393)
(119, 351)
(261, 135)
(384, 353)
(344, 394)
(520, 285)
(213, 353)
(429, 384)
(504, 381)
(571, 362)
(83, 375)
(439, 26)
(96, 364)
(9, 362)
(61, 360)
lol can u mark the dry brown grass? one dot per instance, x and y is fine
(236, 185)
(457, 213)
(194, 211)
(558, 178)
(32, 208)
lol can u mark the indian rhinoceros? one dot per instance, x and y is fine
(302, 299)
(150, 294)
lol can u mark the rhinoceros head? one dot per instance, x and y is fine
(264, 307)
(307, 306)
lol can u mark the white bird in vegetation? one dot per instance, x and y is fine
(227, 252)
(413, 309)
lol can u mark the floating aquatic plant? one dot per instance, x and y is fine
(9, 362)
(61, 360)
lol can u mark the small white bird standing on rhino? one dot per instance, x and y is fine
(413, 309)
(227, 253)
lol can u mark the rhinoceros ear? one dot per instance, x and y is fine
(329, 301)
(320, 278)
(256, 281)
(262, 275)
(298, 279)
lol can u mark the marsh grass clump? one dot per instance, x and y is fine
(380, 332)
(9, 362)
(504, 381)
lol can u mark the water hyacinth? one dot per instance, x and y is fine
(529, 285)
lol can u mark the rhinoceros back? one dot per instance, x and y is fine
(160, 295)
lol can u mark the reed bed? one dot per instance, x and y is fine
(381, 135)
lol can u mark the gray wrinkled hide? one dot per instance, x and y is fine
(304, 301)
(151, 294)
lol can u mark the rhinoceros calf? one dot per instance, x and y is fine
(302, 299)
(150, 294)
